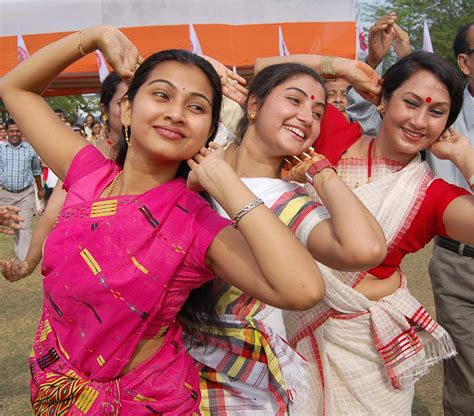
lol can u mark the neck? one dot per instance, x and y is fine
(251, 160)
(140, 174)
(14, 144)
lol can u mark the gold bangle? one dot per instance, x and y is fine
(79, 46)
(28, 268)
(326, 67)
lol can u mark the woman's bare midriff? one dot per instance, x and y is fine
(374, 288)
(145, 349)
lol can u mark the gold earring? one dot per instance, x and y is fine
(127, 139)
(381, 109)
(252, 115)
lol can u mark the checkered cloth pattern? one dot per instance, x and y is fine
(18, 165)
(373, 373)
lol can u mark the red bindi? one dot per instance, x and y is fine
(312, 97)
(428, 99)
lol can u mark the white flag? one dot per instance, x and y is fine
(361, 42)
(281, 43)
(195, 46)
(103, 70)
(427, 46)
(21, 47)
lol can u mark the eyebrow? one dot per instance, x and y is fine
(171, 85)
(422, 99)
(321, 103)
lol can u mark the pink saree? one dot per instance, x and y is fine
(116, 271)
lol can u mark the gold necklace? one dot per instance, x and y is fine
(112, 184)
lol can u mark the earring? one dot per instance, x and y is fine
(381, 109)
(252, 115)
(127, 139)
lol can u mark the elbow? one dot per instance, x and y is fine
(307, 298)
(370, 255)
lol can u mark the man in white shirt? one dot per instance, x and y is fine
(452, 265)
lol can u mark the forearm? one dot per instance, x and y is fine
(464, 161)
(38, 181)
(277, 252)
(356, 237)
(44, 226)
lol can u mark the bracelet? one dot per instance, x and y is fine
(28, 268)
(326, 67)
(79, 46)
(245, 210)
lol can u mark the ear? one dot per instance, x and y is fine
(102, 108)
(463, 64)
(125, 111)
(252, 104)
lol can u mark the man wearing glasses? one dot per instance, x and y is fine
(452, 265)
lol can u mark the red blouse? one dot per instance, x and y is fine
(339, 135)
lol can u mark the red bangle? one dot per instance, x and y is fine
(317, 167)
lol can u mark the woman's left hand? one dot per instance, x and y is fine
(232, 84)
(9, 219)
(119, 52)
(294, 168)
(449, 144)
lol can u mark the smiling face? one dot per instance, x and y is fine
(415, 116)
(13, 134)
(289, 120)
(170, 116)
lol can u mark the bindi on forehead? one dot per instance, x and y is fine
(428, 99)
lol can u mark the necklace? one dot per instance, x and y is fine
(111, 187)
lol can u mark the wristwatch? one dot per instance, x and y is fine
(317, 167)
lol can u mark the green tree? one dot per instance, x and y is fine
(444, 18)
(72, 104)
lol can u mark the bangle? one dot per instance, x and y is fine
(27, 266)
(326, 67)
(316, 168)
(245, 210)
(79, 46)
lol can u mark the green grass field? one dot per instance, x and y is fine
(20, 308)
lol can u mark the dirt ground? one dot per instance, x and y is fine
(20, 307)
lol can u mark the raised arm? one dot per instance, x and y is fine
(361, 76)
(21, 90)
(458, 218)
(262, 258)
(351, 239)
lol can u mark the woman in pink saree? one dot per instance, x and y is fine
(134, 238)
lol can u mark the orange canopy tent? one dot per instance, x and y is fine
(233, 45)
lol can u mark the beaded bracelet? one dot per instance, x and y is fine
(245, 210)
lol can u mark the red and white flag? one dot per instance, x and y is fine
(427, 45)
(281, 43)
(103, 70)
(21, 47)
(362, 47)
(195, 46)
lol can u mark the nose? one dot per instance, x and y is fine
(305, 114)
(420, 118)
(174, 111)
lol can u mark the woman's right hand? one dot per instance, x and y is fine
(14, 269)
(117, 49)
(294, 168)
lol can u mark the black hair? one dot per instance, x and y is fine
(10, 122)
(184, 57)
(200, 307)
(59, 111)
(461, 43)
(269, 78)
(446, 73)
(109, 88)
